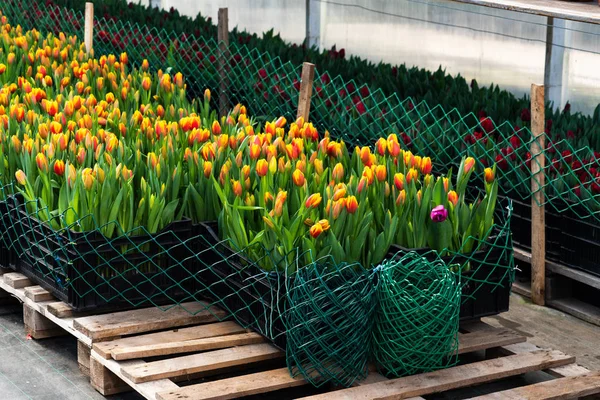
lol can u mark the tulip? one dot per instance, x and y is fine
(254, 151)
(318, 165)
(489, 175)
(316, 230)
(338, 206)
(207, 95)
(381, 173)
(59, 167)
(237, 188)
(313, 201)
(362, 184)
(338, 172)
(399, 181)
(298, 178)
(262, 167)
(351, 204)
(207, 167)
(412, 175)
(439, 214)
(279, 202)
(426, 165)
(401, 198)
(381, 146)
(453, 197)
(469, 163)
(42, 162)
(216, 128)
(339, 194)
(88, 178)
(2, 68)
(21, 177)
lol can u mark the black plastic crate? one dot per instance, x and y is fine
(478, 299)
(580, 243)
(7, 254)
(520, 223)
(91, 272)
(255, 298)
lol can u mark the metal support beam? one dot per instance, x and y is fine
(556, 68)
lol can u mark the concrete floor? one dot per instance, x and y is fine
(47, 369)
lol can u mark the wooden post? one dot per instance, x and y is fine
(223, 36)
(308, 75)
(89, 27)
(538, 223)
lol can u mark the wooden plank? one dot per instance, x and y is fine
(558, 389)
(483, 340)
(38, 293)
(239, 386)
(582, 12)
(148, 389)
(306, 87)
(16, 280)
(575, 274)
(526, 347)
(104, 349)
(211, 343)
(61, 310)
(205, 362)
(454, 378)
(538, 221)
(223, 62)
(146, 320)
(88, 33)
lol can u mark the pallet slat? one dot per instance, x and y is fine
(134, 343)
(205, 344)
(455, 377)
(16, 280)
(205, 362)
(487, 339)
(570, 387)
(238, 386)
(146, 320)
(38, 293)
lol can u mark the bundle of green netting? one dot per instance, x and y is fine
(416, 324)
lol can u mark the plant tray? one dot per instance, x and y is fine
(91, 272)
(580, 242)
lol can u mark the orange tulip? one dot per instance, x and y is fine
(262, 167)
(469, 163)
(365, 156)
(207, 95)
(381, 173)
(316, 230)
(59, 167)
(412, 175)
(298, 178)
(42, 162)
(489, 175)
(216, 128)
(207, 167)
(351, 204)
(339, 194)
(453, 197)
(254, 151)
(381, 146)
(21, 177)
(401, 197)
(426, 165)
(279, 201)
(399, 181)
(313, 200)
(2, 68)
(237, 188)
(338, 172)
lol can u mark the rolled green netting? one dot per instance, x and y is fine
(416, 323)
(328, 322)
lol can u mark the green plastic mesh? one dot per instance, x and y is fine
(416, 324)
(328, 322)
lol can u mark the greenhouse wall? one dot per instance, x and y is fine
(492, 46)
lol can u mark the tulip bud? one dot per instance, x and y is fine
(21, 177)
(469, 163)
(401, 198)
(207, 95)
(42, 162)
(216, 128)
(207, 168)
(399, 181)
(313, 201)
(489, 175)
(279, 202)
(237, 188)
(316, 230)
(338, 206)
(351, 204)
(338, 172)
(298, 178)
(426, 165)
(453, 197)
(59, 167)
(255, 151)
(381, 146)
(412, 175)
(381, 173)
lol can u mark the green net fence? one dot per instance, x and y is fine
(416, 325)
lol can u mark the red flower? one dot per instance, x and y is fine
(595, 187)
(525, 115)
(567, 107)
(577, 191)
(486, 124)
(509, 152)
(360, 107)
(469, 139)
(343, 93)
(481, 114)
(342, 53)
(364, 91)
(411, 106)
(501, 162)
(550, 147)
(528, 160)
(262, 73)
(515, 141)
(212, 59)
(350, 87)
(394, 71)
(406, 139)
(570, 135)
(296, 84)
(549, 125)
(325, 78)
(567, 156)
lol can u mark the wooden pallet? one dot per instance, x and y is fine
(159, 353)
